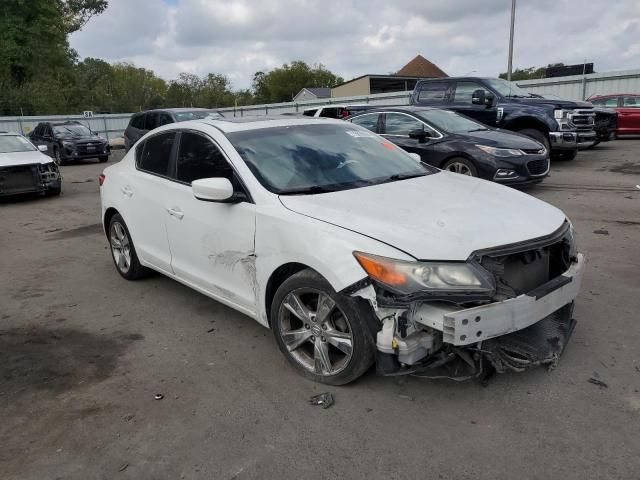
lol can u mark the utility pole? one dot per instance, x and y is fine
(513, 20)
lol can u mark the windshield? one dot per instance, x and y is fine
(197, 115)
(318, 158)
(72, 130)
(15, 143)
(508, 89)
(451, 122)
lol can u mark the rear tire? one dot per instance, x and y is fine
(537, 135)
(123, 251)
(461, 166)
(328, 339)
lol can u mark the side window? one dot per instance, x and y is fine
(400, 124)
(331, 112)
(631, 102)
(606, 102)
(38, 131)
(464, 92)
(369, 121)
(46, 131)
(137, 121)
(155, 153)
(150, 120)
(434, 92)
(164, 119)
(310, 113)
(199, 157)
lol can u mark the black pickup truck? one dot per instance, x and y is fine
(562, 126)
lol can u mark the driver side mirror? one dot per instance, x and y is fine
(216, 190)
(419, 134)
(478, 97)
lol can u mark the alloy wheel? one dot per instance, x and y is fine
(459, 167)
(120, 247)
(315, 331)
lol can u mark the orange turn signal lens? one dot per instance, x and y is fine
(380, 269)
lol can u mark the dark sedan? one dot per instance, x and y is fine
(70, 141)
(453, 142)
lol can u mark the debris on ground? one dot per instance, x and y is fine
(601, 232)
(211, 330)
(406, 397)
(158, 396)
(600, 383)
(123, 467)
(324, 400)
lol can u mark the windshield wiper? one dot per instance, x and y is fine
(403, 176)
(478, 130)
(309, 190)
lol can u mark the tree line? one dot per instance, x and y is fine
(41, 74)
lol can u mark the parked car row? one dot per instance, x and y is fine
(25, 169)
(348, 247)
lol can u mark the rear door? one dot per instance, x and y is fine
(629, 114)
(462, 103)
(212, 243)
(143, 197)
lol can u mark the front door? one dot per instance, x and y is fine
(462, 103)
(629, 115)
(397, 126)
(212, 243)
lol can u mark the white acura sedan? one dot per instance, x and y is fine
(350, 250)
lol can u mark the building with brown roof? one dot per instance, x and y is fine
(404, 80)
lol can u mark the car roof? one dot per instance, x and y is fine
(398, 108)
(339, 105)
(13, 134)
(232, 124)
(609, 95)
(177, 110)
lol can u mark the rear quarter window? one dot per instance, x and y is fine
(434, 92)
(154, 154)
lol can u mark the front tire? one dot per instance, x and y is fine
(57, 156)
(565, 155)
(538, 136)
(123, 251)
(324, 335)
(462, 166)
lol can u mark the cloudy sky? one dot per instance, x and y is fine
(354, 37)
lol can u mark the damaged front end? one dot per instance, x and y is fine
(505, 309)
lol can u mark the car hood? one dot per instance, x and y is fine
(444, 216)
(501, 139)
(568, 104)
(23, 158)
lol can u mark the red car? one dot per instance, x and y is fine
(628, 107)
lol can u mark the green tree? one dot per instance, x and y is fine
(283, 83)
(76, 13)
(529, 73)
(133, 89)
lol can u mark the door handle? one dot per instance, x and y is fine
(127, 191)
(175, 212)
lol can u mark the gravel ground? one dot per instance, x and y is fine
(83, 353)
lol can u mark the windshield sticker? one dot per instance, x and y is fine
(359, 134)
(388, 145)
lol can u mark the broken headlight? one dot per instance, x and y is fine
(405, 277)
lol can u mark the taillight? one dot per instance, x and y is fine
(101, 178)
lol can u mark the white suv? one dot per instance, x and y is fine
(346, 247)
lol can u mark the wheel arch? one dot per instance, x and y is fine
(108, 215)
(521, 123)
(277, 278)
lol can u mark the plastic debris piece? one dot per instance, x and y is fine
(600, 383)
(324, 400)
(123, 467)
(601, 232)
(158, 396)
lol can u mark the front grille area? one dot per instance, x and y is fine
(19, 179)
(523, 271)
(538, 167)
(89, 148)
(534, 151)
(582, 119)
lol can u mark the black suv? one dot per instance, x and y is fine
(562, 126)
(141, 123)
(70, 141)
